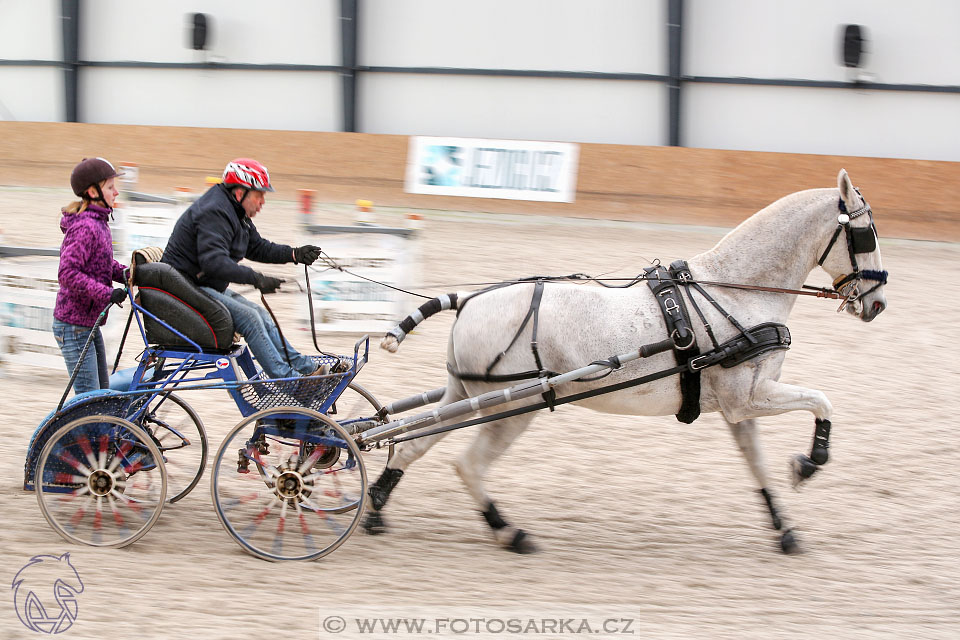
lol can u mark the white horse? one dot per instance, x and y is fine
(777, 247)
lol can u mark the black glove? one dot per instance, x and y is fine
(307, 254)
(118, 295)
(266, 284)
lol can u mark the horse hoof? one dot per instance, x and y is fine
(374, 524)
(522, 543)
(802, 468)
(788, 543)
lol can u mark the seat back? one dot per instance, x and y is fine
(172, 297)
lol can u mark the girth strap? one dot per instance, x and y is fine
(670, 299)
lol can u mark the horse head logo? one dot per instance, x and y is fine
(45, 593)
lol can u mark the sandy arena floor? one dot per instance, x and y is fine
(645, 520)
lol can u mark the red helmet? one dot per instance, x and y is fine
(244, 172)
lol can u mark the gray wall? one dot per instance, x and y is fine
(774, 44)
(909, 43)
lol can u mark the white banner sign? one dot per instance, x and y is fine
(139, 226)
(508, 169)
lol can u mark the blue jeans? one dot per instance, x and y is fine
(93, 371)
(254, 323)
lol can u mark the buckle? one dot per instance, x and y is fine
(698, 363)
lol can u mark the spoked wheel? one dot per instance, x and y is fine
(100, 481)
(289, 484)
(179, 433)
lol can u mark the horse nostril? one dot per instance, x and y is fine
(878, 306)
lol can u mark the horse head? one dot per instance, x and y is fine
(851, 254)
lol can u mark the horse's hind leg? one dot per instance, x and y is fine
(404, 454)
(745, 433)
(491, 442)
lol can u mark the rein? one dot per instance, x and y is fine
(859, 240)
(283, 340)
(808, 290)
(313, 325)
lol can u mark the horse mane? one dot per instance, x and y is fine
(774, 213)
(770, 219)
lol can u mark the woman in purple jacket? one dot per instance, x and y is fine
(87, 269)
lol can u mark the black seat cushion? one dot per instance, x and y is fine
(168, 294)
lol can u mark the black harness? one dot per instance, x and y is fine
(667, 286)
(663, 284)
(534, 313)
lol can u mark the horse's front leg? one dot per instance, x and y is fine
(769, 397)
(745, 433)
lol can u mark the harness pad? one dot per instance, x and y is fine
(767, 336)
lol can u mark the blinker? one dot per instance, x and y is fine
(864, 239)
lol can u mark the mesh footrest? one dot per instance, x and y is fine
(310, 392)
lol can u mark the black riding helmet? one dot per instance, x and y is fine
(90, 173)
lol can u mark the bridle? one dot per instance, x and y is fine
(859, 240)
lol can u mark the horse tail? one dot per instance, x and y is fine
(391, 341)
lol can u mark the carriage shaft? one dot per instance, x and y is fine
(413, 402)
(492, 398)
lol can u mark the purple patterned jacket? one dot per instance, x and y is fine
(87, 267)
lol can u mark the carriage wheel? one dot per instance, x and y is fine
(289, 484)
(179, 433)
(100, 481)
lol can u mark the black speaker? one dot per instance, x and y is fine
(200, 26)
(853, 39)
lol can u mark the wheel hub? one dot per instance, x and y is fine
(289, 485)
(101, 482)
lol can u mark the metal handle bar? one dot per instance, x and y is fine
(83, 354)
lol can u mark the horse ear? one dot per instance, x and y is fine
(847, 192)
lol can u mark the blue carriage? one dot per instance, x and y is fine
(288, 481)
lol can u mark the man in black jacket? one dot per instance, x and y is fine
(208, 242)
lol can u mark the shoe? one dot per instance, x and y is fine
(322, 369)
(311, 383)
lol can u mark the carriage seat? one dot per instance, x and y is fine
(172, 297)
